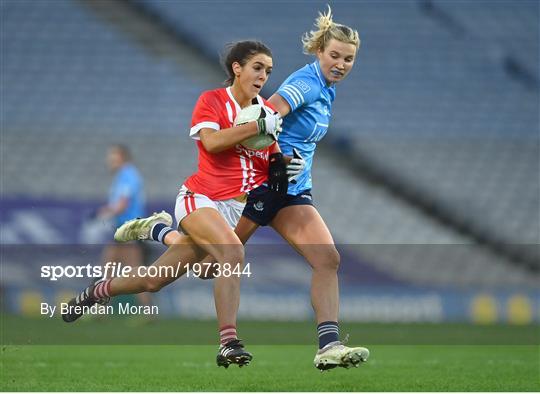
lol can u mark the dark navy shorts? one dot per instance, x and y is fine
(263, 204)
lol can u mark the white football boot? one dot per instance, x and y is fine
(139, 229)
(335, 354)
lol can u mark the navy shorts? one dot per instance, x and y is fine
(263, 204)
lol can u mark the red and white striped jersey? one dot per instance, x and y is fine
(230, 173)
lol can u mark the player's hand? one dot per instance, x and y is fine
(296, 166)
(270, 123)
(277, 174)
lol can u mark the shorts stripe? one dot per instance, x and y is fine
(186, 203)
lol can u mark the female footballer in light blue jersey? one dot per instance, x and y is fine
(304, 100)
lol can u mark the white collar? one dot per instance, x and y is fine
(319, 72)
(237, 106)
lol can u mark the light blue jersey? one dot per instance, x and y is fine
(127, 183)
(310, 100)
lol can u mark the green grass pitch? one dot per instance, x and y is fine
(396, 363)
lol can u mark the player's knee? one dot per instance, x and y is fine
(328, 259)
(333, 259)
(234, 255)
(153, 285)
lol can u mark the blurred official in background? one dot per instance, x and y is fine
(126, 202)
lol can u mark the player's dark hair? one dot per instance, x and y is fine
(241, 52)
(123, 150)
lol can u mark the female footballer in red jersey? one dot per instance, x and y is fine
(305, 100)
(211, 201)
(293, 216)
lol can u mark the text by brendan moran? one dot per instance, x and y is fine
(122, 308)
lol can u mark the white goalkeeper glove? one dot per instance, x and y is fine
(270, 124)
(296, 166)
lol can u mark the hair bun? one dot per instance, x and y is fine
(327, 29)
(324, 21)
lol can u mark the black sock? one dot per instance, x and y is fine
(328, 331)
(159, 231)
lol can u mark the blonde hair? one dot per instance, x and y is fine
(326, 30)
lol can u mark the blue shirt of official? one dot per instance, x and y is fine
(127, 183)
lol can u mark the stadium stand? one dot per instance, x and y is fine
(424, 105)
(506, 32)
(435, 108)
(73, 84)
(74, 74)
